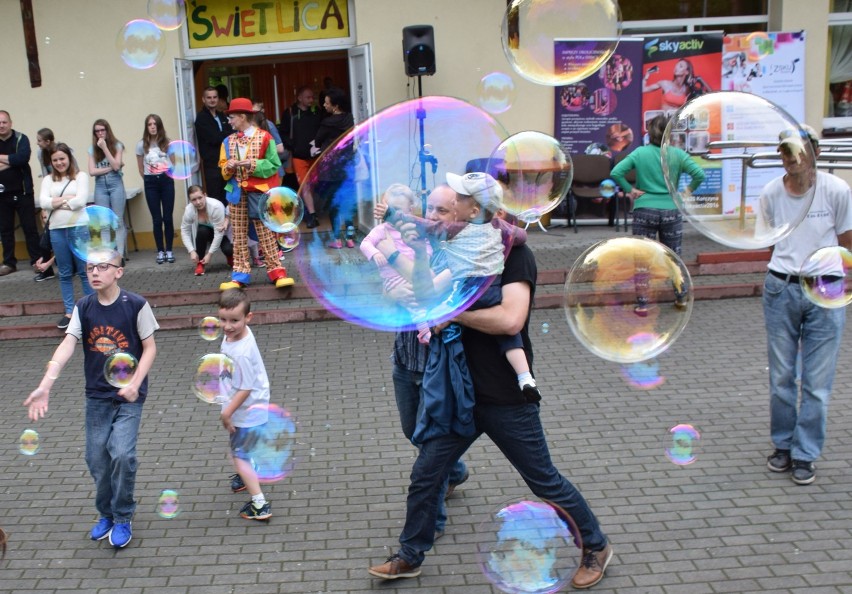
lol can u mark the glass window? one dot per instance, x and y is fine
(839, 98)
(642, 10)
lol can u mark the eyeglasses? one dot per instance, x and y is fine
(100, 129)
(102, 267)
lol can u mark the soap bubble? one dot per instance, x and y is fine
(528, 547)
(29, 442)
(825, 277)
(94, 233)
(168, 505)
(682, 442)
(210, 328)
(496, 92)
(272, 444)
(545, 328)
(119, 369)
(353, 173)
(537, 173)
(141, 44)
(608, 188)
(721, 132)
(166, 14)
(214, 378)
(644, 375)
(183, 159)
(289, 240)
(281, 209)
(591, 29)
(627, 299)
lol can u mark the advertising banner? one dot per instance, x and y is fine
(601, 114)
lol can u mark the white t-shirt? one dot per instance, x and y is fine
(249, 374)
(830, 215)
(155, 161)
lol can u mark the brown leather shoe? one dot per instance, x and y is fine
(395, 567)
(592, 567)
(6, 269)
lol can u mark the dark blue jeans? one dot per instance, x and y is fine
(517, 431)
(160, 196)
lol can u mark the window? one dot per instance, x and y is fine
(839, 99)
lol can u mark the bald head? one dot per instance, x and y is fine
(439, 204)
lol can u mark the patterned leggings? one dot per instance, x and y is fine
(647, 222)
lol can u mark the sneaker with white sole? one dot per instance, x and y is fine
(102, 529)
(250, 512)
(804, 473)
(120, 535)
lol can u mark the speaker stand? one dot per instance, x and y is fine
(424, 157)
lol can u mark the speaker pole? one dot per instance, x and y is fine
(422, 154)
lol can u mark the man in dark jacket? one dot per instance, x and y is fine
(16, 194)
(299, 125)
(211, 128)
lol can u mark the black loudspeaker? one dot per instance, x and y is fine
(418, 50)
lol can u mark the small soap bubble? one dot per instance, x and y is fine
(608, 188)
(289, 240)
(210, 328)
(140, 44)
(94, 232)
(627, 299)
(281, 209)
(682, 442)
(214, 378)
(183, 159)
(272, 443)
(82, 74)
(531, 28)
(825, 277)
(496, 92)
(168, 506)
(119, 369)
(528, 547)
(166, 14)
(47, 41)
(29, 443)
(545, 328)
(644, 375)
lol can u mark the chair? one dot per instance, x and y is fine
(620, 198)
(589, 172)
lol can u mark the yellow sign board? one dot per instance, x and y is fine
(218, 23)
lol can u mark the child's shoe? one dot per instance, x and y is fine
(237, 484)
(350, 243)
(102, 529)
(120, 535)
(250, 512)
(336, 244)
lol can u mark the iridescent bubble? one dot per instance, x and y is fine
(608, 188)
(496, 92)
(825, 277)
(644, 375)
(726, 134)
(166, 14)
(210, 328)
(29, 443)
(682, 442)
(545, 328)
(528, 547)
(214, 379)
(82, 74)
(592, 29)
(119, 369)
(183, 159)
(168, 505)
(94, 232)
(627, 299)
(289, 240)
(271, 452)
(536, 171)
(141, 44)
(281, 209)
(352, 175)
(47, 41)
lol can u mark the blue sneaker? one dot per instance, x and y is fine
(120, 535)
(102, 529)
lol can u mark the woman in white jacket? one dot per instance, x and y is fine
(64, 194)
(202, 229)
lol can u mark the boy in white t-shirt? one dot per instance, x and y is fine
(240, 415)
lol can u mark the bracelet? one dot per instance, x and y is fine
(47, 370)
(392, 258)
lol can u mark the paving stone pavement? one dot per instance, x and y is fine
(721, 524)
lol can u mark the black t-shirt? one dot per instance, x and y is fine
(494, 380)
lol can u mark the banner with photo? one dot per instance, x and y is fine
(676, 69)
(769, 65)
(600, 114)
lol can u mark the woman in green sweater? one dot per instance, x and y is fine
(654, 211)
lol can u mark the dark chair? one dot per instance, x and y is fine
(589, 172)
(620, 199)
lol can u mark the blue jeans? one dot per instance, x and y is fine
(68, 264)
(160, 197)
(109, 193)
(790, 319)
(517, 431)
(406, 386)
(112, 427)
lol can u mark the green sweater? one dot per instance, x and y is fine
(649, 175)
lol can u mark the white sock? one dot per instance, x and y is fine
(258, 500)
(525, 379)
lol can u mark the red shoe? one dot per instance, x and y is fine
(199, 269)
(350, 243)
(336, 244)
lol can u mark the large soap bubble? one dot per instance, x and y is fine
(825, 277)
(354, 173)
(93, 236)
(496, 92)
(281, 210)
(627, 299)
(528, 547)
(271, 451)
(590, 30)
(166, 14)
(183, 159)
(141, 44)
(739, 139)
(537, 172)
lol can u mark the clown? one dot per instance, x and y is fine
(250, 164)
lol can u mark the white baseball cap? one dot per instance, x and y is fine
(482, 187)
